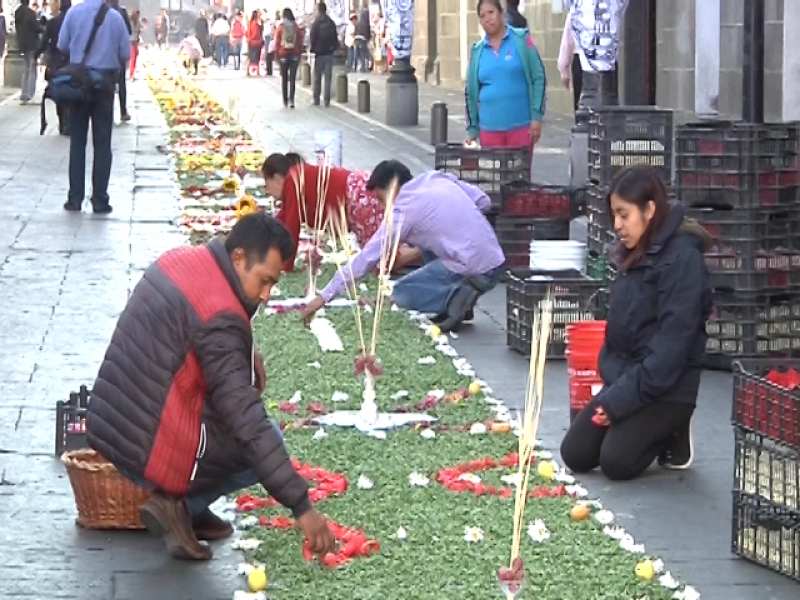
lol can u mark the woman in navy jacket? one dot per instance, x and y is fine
(651, 360)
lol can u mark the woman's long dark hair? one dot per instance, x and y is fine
(638, 185)
(279, 164)
(288, 15)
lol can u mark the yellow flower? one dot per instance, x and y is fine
(230, 185)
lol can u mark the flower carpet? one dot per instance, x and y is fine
(424, 511)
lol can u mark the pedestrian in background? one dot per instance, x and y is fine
(238, 31)
(28, 30)
(363, 37)
(255, 43)
(122, 88)
(221, 31)
(3, 33)
(269, 44)
(137, 26)
(201, 32)
(350, 41)
(54, 58)
(289, 47)
(324, 42)
(109, 52)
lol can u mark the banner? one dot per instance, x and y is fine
(399, 15)
(596, 26)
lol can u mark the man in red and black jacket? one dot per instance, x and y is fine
(177, 403)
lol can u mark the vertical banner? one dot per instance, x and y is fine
(596, 25)
(399, 15)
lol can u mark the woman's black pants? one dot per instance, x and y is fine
(625, 450)
(288, 78)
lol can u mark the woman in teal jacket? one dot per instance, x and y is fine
(506, 84)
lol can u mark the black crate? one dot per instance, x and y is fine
(770, 229)
(754, 325)
(71, 421)
(599, 238)
(766, 469)
(737, 165)
(487, 168)
(621, 136)
(515, 235)
(576, 298)
(539, 201)
(600, 267)
(766, 534)
(766, 399)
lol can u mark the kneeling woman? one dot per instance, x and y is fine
(655, 339)
(299, 202)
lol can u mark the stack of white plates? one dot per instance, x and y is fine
(558, 255)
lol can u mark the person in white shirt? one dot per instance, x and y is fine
(221, 31)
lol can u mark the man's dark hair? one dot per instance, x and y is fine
(512, 3)
(386, 171)
(294, 158)
(277, 164)
(257, 234)
(322, 8)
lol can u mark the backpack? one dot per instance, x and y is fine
(289, 35)
(327, 36)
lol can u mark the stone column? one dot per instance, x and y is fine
(402, 90)
(707, 58)
(791, 61)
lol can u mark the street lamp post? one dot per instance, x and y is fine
(402, 89)
(753, 62)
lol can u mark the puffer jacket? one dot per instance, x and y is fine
(655, 329)
(174, 402)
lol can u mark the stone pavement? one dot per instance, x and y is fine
(64, 278)
(683, 517)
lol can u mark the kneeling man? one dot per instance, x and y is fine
(442, 218)
(177, 403)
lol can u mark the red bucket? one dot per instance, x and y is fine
(583, 340)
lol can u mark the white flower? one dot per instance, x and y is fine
(377, 434)
(688, 593)
(319, 434)
(245, 568)
(461, 363)
(543, 454)
(628, 544)
(604, 517)
(366, 308)
(427, 433)
(466, 372)
(614, 532)
(511, 479)
(247, 522)
(394, 308)
(418, 480)
(501, 413)
(241, 595)
(427, 360)
(470, 478)
(399, 394)
(340, 397)
(401, 533)
(315, 365)
(477, 429)
(538, 531)
(447, 350)
(328, 339)
(363, 287)
(365, 483)
(436, 394)
(268, 312)
(668, 581)
(492, 401)
(246, 544)
(441, 339)
(576, 491)
(658, 565)
(275, 292)
(296, 397)
(473, 534)
(563, 477)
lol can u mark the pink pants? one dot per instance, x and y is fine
(516, 138)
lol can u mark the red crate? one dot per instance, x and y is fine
(522, 199)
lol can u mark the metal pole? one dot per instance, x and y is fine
(753, 62)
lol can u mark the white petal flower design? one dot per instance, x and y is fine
(315, 365)
(328, 339)
(469, 478)
(668, 581)
(426, 360)
(492, 401)
(477, 429)
(614, 532)
(247, 522)
(437, 394)
(401, 533)
(296, 398)
(604, 517)
(242, 595)
(418, 480)
(245, 568)
(340, 397)
(543, 454)
(246, 544)
(427, 433)
(473, 534)
(447, 350)
(563, 477)
(365, 483)
(513, 479)
(320, 434)
(658, 565)
(399, 394)
(538, 531)
(628, 544)
(576, 491)
(688, 593)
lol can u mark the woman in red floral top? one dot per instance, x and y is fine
(364, 210)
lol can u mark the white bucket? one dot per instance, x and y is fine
(328, 146)
(560, 255)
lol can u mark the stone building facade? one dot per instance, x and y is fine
(698, 48)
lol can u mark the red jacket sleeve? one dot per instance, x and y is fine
(289, 215)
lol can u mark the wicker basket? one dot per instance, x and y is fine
(104, 498)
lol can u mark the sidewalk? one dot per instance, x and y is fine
(683, 517)
(64, 278)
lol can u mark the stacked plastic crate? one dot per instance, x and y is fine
(766, 493)
(741, 183)
(619, 137)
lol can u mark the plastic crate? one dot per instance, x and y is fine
(71, 421)
(599, 267)
(754, 325)
(621, 136)
(766, 535)
(535, 200)
(766, 469)
(487, 168)
(576, 298)
(599, 238)
(737, 165)
(515, 235)
(766, 405)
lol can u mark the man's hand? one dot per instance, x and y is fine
(565, 79)
(311, 309)
(471, 141)
(261, 373)
(315, 527)
(536, 132)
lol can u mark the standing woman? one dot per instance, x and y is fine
(569, 65)
(506, 84)
(289, 47)
(255, 41)
(364, 210)
(136, 39)
(48, 45)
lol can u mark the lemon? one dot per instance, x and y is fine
(645, 570)
(435, 332)
(546, 470)
(475, 388)
(257, 580)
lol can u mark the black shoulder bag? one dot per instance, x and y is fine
(73, 84)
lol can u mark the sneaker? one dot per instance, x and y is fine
(679, 455)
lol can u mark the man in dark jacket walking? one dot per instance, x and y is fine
(201, 32)
(177, 406)
(28, 29)
(324, 42)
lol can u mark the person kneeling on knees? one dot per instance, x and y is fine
(441, 221)
(651, 359)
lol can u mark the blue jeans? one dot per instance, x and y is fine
(351, 58)
(100, 113)
(236, 54)
(221, 51)
(430, 288)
